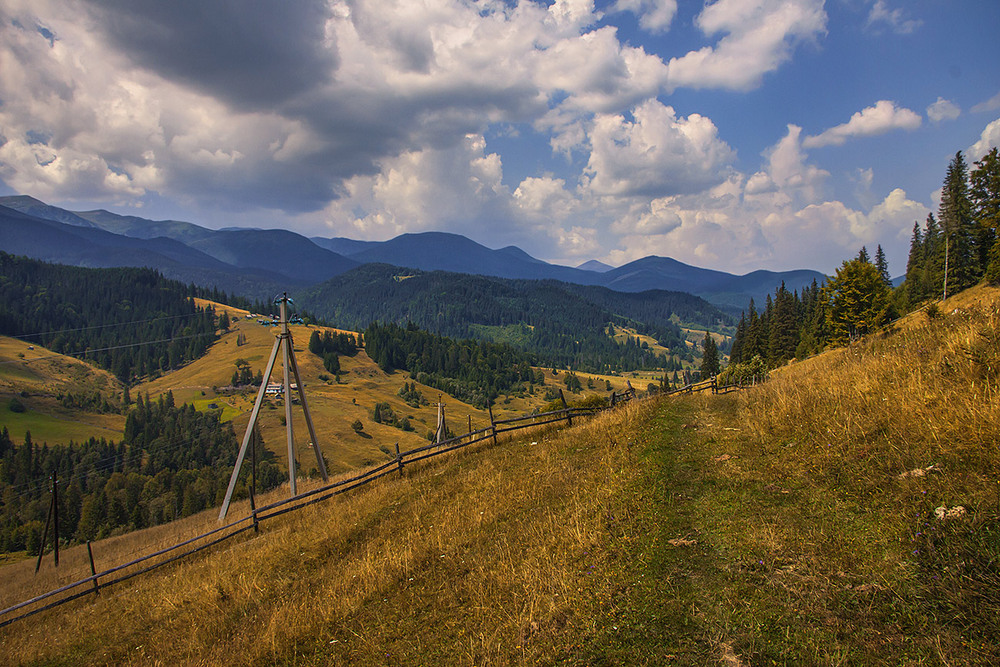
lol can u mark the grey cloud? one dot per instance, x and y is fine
(248, 54)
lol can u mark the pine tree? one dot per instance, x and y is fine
(958, 227)
(709, 357)
(857, 301)
(984, 191)
(882, 264)
(783, 333)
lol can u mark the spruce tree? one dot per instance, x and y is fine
(958, 227)
(709, 357)
(857, 301)
(984, 191)
(883, 266)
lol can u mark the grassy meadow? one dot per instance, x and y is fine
(36, 377)
(847, 512)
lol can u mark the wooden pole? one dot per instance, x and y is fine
(55, 515)
(249, 431)
(569, 419)
(314, 441)
(93, 570)
(286, 378)
(253, 511)
(45, 535)
(441, 429)
(493, 424)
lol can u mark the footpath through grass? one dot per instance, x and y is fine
(741, 554)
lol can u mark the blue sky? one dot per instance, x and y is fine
(736, 134)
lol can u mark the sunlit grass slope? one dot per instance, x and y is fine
(36, 377)
(334, 406)
(785, 525)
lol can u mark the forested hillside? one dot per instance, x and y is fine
(476, 372)
(133, 322)
(564, 325)
(172, 462)
(952, 251)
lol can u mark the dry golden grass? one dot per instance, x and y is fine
(335, 406)
(44, 376)
(475, 558)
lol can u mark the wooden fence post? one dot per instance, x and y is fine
(253, 512)
(399, 460)
(569, 418)
(493, 424)
(93, 570)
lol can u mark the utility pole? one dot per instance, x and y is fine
(283, 341)
(53, 518)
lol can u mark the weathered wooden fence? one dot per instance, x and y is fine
(98, 581)
(713, 385)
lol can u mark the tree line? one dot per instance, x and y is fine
(133, 322)
(560, 324)
(950, 252)
(473, 371)
(172, 462)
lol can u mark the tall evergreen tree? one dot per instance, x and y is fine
(882, 264)
(958, 227)
(783, 327)
(857, 301)
(984, 191)
(709, 357)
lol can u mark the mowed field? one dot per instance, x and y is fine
(37, 378)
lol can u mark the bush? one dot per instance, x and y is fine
(746, 372)
(16, 405)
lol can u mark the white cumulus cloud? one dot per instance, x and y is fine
(893, 20)
(943, 110)
(655, 154)
(989, 139)
(653, 15)
(759, 35)
(884, 117)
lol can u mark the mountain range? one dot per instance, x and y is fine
(260, 263)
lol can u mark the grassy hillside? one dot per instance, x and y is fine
(784, 525)
(335, 406)
(37, 378)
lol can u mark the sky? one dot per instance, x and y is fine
(734, 135)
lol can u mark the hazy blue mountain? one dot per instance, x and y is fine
(440, 251)
(54, 241)
(718, 287)
(294, 260)
(342, 246)
(276, 250)
(141, 228)
(595, 266)
(31, 206)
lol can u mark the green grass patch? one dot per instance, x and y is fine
(51, 428)
(226, 410)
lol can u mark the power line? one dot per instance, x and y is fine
(105, 349)
(105, 326)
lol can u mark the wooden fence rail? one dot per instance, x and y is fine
(89, 585)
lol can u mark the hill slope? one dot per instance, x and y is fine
(784, 525)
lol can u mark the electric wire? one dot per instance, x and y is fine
(113, 324)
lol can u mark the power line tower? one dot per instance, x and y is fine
(284, 342)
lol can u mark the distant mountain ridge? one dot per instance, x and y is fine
(258, 262)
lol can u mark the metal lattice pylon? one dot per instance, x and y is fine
(283, 341)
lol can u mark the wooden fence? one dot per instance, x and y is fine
(115, 575)
(712, 385)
